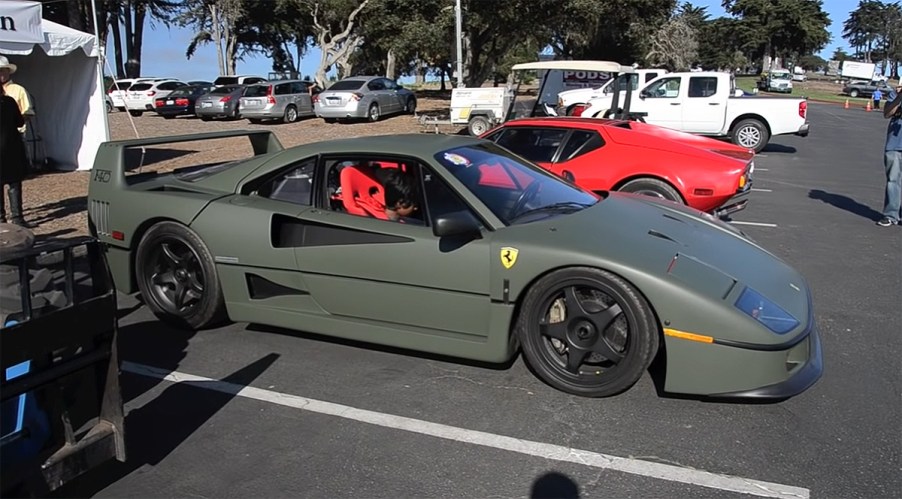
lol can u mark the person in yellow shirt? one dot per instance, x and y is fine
(14, 165)
(16, 91)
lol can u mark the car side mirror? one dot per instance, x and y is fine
(643, 94)
(457, 224)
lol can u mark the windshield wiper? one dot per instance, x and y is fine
(562, 207)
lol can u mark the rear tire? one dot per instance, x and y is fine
(853, 93)
(751, 134)
(177, 277)
(478, 125)
(372, 113)
(291, 114)
(654, 188)
(135, 113)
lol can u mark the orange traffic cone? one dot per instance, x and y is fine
(847, 104)
(868, 107)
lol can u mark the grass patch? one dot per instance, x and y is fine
(812, 89)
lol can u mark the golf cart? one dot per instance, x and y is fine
(482, 108)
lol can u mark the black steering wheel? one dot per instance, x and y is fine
(525, 197)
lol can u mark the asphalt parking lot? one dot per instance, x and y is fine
(327, 418)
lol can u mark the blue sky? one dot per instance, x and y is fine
(164, 48)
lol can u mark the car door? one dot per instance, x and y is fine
(662, 100)
(242, 233)
(380, 96)
(704, 107)
(396, 96)
(395, 273)
(302, 98)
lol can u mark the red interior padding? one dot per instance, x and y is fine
(361, 193)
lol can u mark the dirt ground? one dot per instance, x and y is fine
(57, 201)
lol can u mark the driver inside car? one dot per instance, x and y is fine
(400, 200)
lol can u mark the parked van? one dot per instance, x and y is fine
(285, 100)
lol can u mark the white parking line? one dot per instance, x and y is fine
(527, 447)
(761, 190)
(761, 169)
(756, 224)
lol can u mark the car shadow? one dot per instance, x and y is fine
(382, 348)
(554, 484)
(157, 428)
(845, 203)
(779, 148)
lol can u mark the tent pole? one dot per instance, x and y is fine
(101, 57)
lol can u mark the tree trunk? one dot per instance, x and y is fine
(217, 36)
(441, 73)
(140, 14)
(117, 44)
(390, 65)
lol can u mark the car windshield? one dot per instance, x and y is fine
(780, 76)
(347, 85)
(515, 190)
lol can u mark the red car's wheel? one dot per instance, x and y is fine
(653, 187)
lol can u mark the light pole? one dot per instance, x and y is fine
(460, 51)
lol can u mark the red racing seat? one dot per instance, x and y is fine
(361, 193)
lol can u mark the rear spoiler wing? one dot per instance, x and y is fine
(110, 165)
(61, 400)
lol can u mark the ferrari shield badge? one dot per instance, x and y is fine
(509, 256)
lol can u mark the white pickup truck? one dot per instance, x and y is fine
(568, 100)
(708, 103)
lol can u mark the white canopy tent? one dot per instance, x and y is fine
(66, 85)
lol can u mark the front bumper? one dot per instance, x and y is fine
(803, 379)
(803, 130)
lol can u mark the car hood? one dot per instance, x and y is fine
(644, 234)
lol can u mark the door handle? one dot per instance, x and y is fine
(674, 103)
(714, 103)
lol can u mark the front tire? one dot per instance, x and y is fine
(853, 93)
(177, 277)
(587, 332)
(751, 134)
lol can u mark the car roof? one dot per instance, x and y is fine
(561, 121)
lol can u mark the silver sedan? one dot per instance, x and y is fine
(369, 97)
(221, 102)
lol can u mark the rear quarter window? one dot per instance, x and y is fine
(579, 143)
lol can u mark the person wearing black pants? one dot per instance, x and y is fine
(13, 160)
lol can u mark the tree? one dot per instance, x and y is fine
(783, 27)
(334, 26)
(812, 62)
(864, 27)
(214, 21)
(674, 46)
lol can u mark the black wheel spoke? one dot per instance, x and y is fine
(170, 255)
(163, 278)
(181, 291)
(603, 347)
(573, 301)
(556, 330)
(575, 357)
(602, 320)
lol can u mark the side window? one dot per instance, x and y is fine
(298, 88)
(535, 144)
(375, 85)
(667, 88)
(282, 89)
(373, 187)
(441, 200)
(702, 86)
(292, 185)
(650, 76)
(580, 142)
(389, 85)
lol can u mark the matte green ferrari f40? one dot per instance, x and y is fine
(455, 246)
